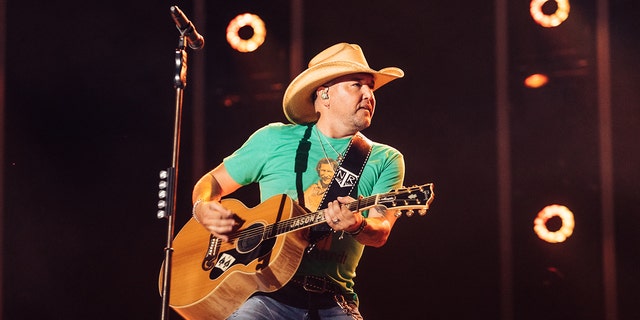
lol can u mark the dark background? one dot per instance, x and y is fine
(89, 124)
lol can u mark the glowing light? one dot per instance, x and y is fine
(549, 20)
(536, 80)
(565, 231)
(246, 45)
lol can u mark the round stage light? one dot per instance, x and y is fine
(565, 231)
(549, 20)
(243, 20)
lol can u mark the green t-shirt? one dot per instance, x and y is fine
(268, 158)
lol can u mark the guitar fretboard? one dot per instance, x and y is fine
(312, 219)
(417, 197)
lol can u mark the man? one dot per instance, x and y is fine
(328, 104)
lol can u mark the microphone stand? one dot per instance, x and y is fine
(169, 177)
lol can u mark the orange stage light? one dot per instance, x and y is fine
(565, 231)
(246, 45)
(536, 80)
(549, 20)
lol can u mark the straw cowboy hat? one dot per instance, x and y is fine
(336, 61)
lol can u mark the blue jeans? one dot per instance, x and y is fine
(262, 307)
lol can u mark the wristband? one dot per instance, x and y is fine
(363, 224)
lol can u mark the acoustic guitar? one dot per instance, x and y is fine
(211, 278)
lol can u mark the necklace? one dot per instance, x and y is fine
(332, 148)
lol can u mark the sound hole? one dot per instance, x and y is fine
(250, 238)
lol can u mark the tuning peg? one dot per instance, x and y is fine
(422, 212)
(409, 213)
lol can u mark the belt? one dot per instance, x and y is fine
(316, 284)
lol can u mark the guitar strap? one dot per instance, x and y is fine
(343, 183)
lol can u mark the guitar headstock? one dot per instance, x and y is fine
(409, 199)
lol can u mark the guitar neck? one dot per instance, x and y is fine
(314, 218)
(416, 197)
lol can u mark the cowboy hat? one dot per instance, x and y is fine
(336, 61)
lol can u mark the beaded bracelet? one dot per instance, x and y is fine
(363, 224)
(193, 210)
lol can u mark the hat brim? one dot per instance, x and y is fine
(297, 101)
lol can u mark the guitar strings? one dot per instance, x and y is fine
(280, 226)
(286, 225)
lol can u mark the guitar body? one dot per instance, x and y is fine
(211, 278)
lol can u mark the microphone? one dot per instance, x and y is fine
(195, 40)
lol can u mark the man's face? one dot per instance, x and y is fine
(351, 100)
